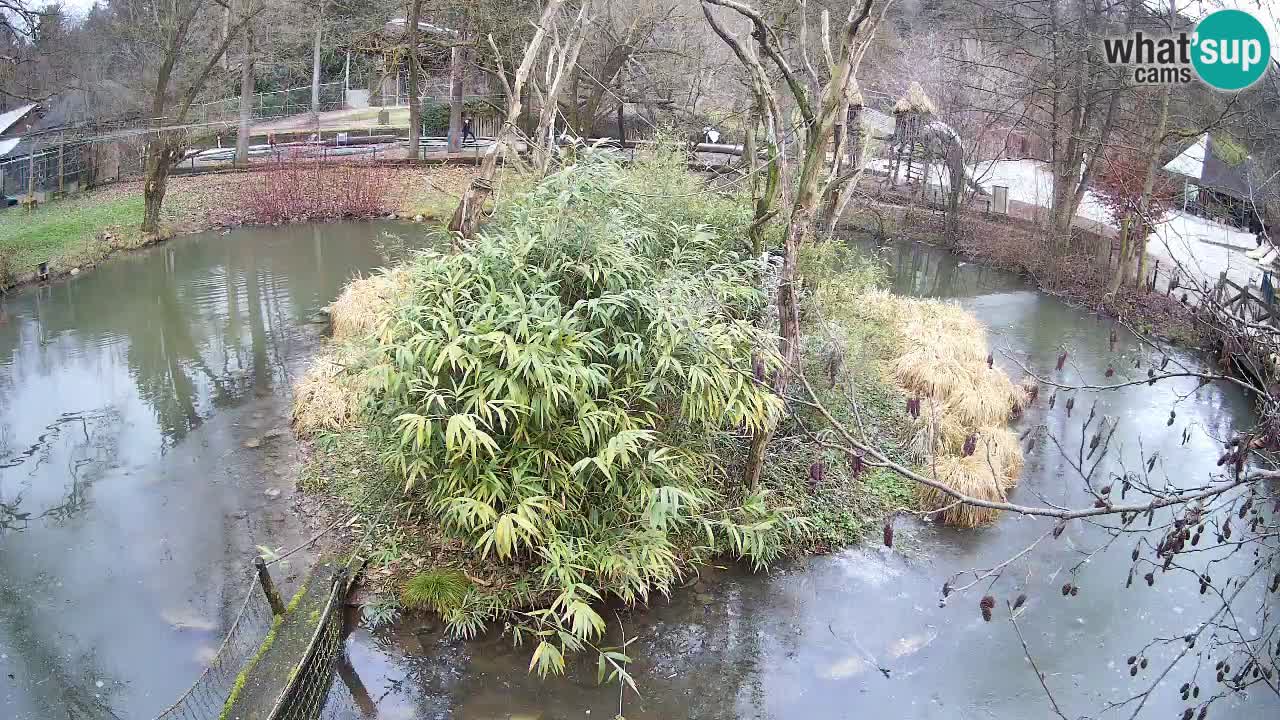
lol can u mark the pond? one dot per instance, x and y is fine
(145, 453)
(145, 450)
(862, 633)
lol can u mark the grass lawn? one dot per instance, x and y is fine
(64, 232)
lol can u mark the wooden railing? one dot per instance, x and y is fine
(1247, 303)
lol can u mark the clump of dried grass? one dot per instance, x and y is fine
(327, 398)
(936, 431)
(330, 395)
(365, 302)
(944, 362)
(974, 476)
(1028, 391)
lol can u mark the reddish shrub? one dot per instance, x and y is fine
(313, 190)
(1119, 186)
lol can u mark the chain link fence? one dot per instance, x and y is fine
(275, 104)
(307, 693)
(205, 698)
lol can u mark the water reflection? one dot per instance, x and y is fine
(128, 499)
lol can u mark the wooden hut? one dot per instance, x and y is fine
(911, 114)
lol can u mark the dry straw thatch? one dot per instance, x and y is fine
(972, 475)
(915, 101)
(943, 361)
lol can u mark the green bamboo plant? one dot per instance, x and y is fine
(555, 394)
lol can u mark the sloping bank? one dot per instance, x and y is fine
(78, 233)
(559, 414)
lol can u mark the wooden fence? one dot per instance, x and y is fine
(1245, 303)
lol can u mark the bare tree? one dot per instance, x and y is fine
(415, 104)
(246, 94)
(562, 59)
(315, 66)
(818, 122)
(176, 69)
(467, 214)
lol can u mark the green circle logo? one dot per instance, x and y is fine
(1232, 50)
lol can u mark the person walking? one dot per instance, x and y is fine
(466, 129)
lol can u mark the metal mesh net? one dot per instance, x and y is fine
(310, 682)
(205, 698)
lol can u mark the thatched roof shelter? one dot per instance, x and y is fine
(915, 101)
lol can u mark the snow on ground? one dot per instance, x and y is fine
(1195, 243)
(1205, 247)
(1198, 245)
(1029, 181)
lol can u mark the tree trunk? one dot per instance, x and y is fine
(1148, 184)
(622, 118)
(853, 152)
(315, 71)
(560, 65)
(415, 112)
(246, 99)
(799, 230)
(167, 146)
(455, 99)
(955, 193)
(226, 30)
(161, 154)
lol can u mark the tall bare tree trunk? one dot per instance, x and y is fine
(415, 111)
(226, 30)
(820, 120)
(456, 60)
(166, 145)
(1136, 226)
(315, 70)
(246, 99)
(560, 63)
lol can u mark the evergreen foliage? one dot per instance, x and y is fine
(554, 394)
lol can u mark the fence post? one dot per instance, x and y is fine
(269, 586)
(31, 176)
(62, 146)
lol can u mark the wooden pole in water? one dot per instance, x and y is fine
(269, 586)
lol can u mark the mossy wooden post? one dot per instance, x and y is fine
(269, 586)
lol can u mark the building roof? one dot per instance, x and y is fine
(8, 119)
(1190, 162)
(1214, 165)
(8, 144)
